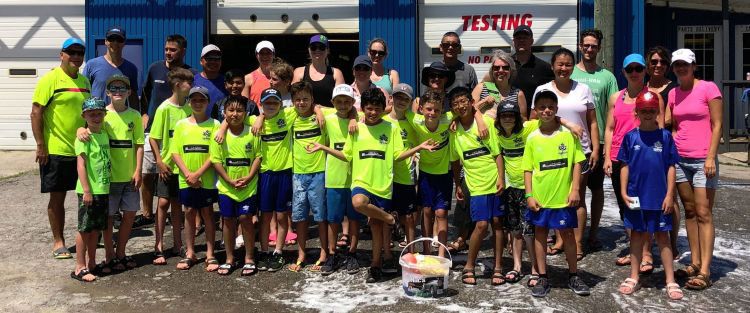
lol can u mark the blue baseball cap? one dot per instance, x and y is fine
(633, 58)
(73, 41)
(269, 93)
(362, 60)
(93, 103)
(319, 39)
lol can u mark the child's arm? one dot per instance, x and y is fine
(574, 197)
(353, 120)
(83, 178)
(219, 168)
(258, 125)
(191, 178)
(253, 171)
(164, 170)
(315, 146)
(206, 165)
(456, 168)
(83, 134)
(319, 116)
(481, 126)
(530, 201)
(624, 172)
(500, 173)
(138, 166)
(668, 204)
(575, 129)
(221, 132)
(428, 144)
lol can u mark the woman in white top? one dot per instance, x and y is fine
(575, 103)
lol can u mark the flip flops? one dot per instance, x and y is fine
(228, 267)
(187, 261)
(62, 253)
(298, 266)
(81, 274)
(649, 268)
(212, 261)
(248, 269)
(159, 255)
(497, 274)
(623, 261)
(515, 276)
(468, 274)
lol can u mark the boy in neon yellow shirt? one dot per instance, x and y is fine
(162, 130)
(552, 171)
(197, 181)
(373, 150)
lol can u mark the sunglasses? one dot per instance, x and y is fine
(114, 89)
(453, 45)
(213, 59)
(648, 111)
(502, 67)
(317, 47)
(588, 46)
(657, 62)
(630, 69)
(361, 68)
(79, 53)
(379, 53)
(115, 39)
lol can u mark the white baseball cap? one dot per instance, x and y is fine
(265, 44)
(343, 90)
(209, 48)
(685, 55)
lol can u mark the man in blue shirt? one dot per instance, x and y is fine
(99, 69)
(211, 77)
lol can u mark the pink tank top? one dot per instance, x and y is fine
(625, 121)
(260, 83)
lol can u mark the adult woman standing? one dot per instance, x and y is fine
(381, 77)
(576, 104)
(258, 80)
(694, 111)
(318, 73)
(490, 93)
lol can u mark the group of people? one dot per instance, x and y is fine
(517, 148)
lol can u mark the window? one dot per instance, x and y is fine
(745, 55)
(702, 45)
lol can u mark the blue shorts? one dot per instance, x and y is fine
(564, 218)
(339, 204)
(647, 221)
(691, 170)
(197, 198)
(404, 197)
(309, 195)
(275, 191)
(229, 207)
(435, 191)
(380, 202)
(485, 207)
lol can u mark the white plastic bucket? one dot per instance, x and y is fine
(425, 279)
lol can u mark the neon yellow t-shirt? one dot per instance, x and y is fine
(512, 150)
(477, 156)
(307, 131)
(62, 99)
(237, 154)
(275, 140)
(98, 163)
(551, 160)
(434, 162)
(338, 173)
(402, 170)
(191, 142)
(162, 128)
(372, 151)
(125, 130)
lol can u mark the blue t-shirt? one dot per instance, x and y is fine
(156, 88)
(215, 88)
(98, 70)
(648, 154)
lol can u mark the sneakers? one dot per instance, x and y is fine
(352, 265)
(141, 221)
(275, 262)
(541, 289)
(374, 274)
(262, 261)
(579, 287)
(329, 266)
(390, 266)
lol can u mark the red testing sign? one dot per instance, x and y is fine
(505, 21)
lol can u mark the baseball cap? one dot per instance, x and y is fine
(647, 100)
(265, 44)
(404, 89)
(116, 31)
(362, 60)
(343, 90)
(546, 94)
(685, 55)
(73, 41)
(440, 68)
(209, 48)
(269, 93)
(319, 38)
(523, 29)
(118, 77)
(199, 89)
(93, 103)
(507, 105)
(633, 58)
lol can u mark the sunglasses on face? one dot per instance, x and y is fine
(213, 59)
(379, 53)
(117, 39)
(118, 89)
(588, 46)
(630, 69)
(647, 111)
(501, 67)
(657, 62)
(453, 45)
(361, 68)
(79, 53)
(317, 47)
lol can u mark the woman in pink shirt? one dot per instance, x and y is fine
(694, 111)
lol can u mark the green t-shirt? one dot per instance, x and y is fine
(403, 170)
(125, 130)
(62, 98)
(307, 131)
(237, 154)
(191, 142)
(551, 160)
(275, 141)
(477, 156)
(602, 84)
(162, 128)
(512, 150)
(338, 173)
(434, 162)
(372, 151)
(98, 164)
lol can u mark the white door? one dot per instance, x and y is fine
(705, 41)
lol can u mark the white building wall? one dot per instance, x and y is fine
(31, 34)
(233, 17)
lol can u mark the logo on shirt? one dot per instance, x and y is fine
(310, 133)
(404, 134)
(206, 134)
(372, 154)
(131, 125)
(158, 81)
(562, 222)
(479, 139)
(238, 162)
(553, 164)
(658, 147)
(195, 149)
(513, 153)
(248, 147)
(383, 139)
(338, 146)
(442, 145)
(475, 153)
(562, 149)
(444, 134)
(123, 144)
(281, 123)
(273, 137)
(518, 141)
(636, 147)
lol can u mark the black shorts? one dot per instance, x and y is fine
(60, 174)
(596, 174)
(93, 217)
(168, 189)
(404, 199)
(515, 204)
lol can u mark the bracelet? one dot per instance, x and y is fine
(528, 195)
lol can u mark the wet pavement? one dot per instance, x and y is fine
(30, 280)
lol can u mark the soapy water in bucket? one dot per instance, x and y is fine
(424, 276)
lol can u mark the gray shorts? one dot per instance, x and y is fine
(691, 170)
(123, 197)
(149, 163)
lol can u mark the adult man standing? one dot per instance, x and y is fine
(259, 79)
(602, 84)
(156, 89)
(531, 71)
(466, 77)
(211, 77)
(99, 69)
(55, 117)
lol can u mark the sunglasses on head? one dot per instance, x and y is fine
(453, 45)
(115, 39)
(118, 89)
(657, 62)
(317, 47)
(361, 68)
(79, 53)
(630, 69)
(379, 53)
(501, 67)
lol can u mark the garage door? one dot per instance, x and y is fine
(255, 17)
(30, 40)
